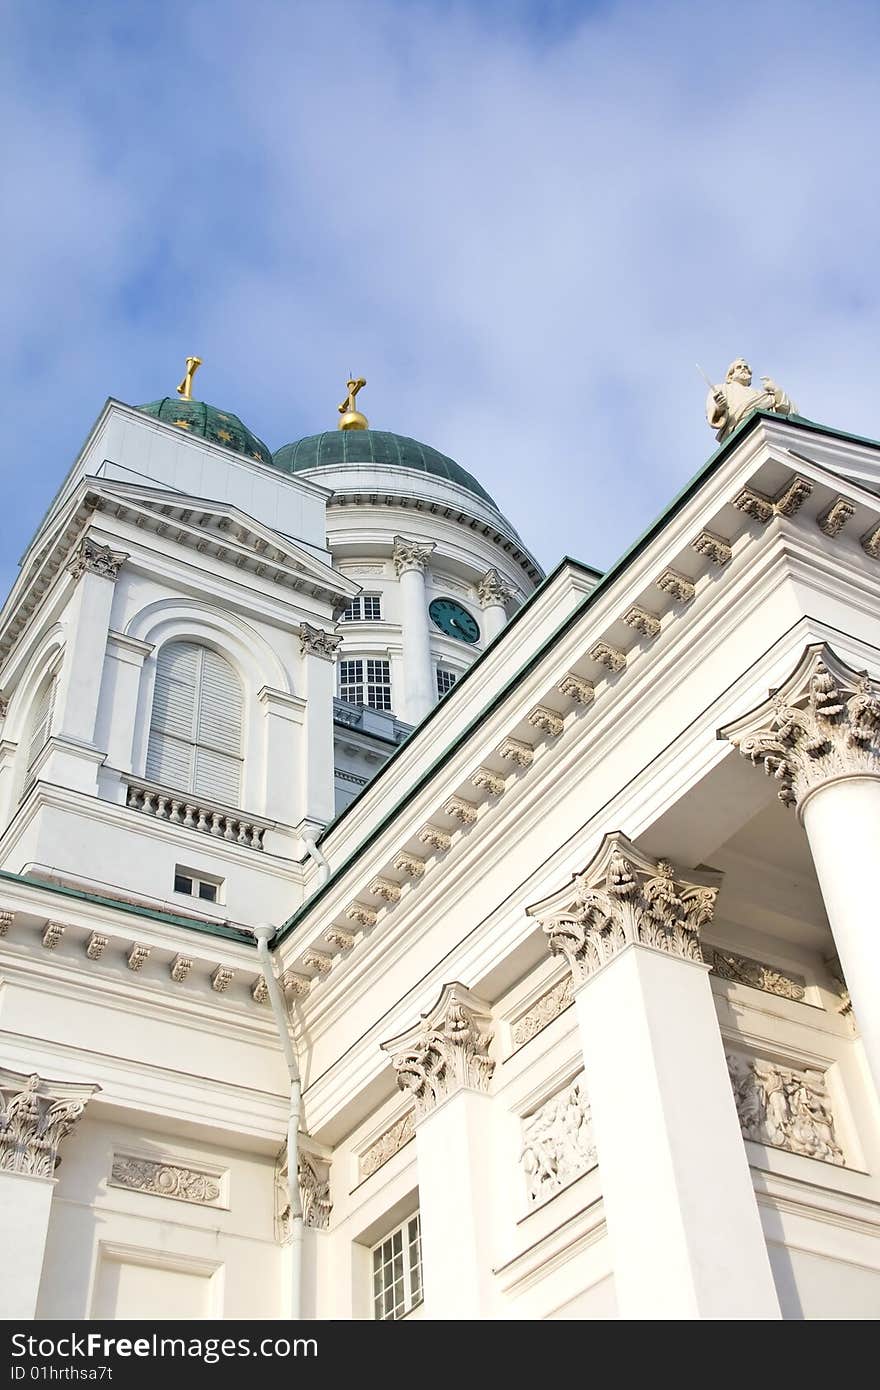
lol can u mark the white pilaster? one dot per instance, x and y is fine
(318, 650)
(285, 746)
(95, 568)
(683, 1223)
(37, 1115)
(444, 1063)
(819, 737)
(120, 689)
(494, 595)
(418, 695)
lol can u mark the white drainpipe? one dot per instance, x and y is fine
(320, 860)
(263, 932)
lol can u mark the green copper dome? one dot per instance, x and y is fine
(217, 426)
(337, 448)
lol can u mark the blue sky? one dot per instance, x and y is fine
(523, 223)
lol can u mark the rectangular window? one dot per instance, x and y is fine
(445, 681)
(366, 608)
(196, 885)
(397, 1271)
(366, 681)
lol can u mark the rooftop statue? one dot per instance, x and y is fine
(728, 405)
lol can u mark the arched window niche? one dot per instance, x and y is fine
(195, 735)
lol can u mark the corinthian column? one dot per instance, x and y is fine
(419, 696)
(493, 594)
(683, 1224)
(818, 735)
(444, 1063)
(35, 1116)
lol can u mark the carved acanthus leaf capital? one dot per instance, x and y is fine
(411, 555)
(92, 558)
(447, 1050)
(35, 1116)
(314, 1191)
(824, 722)
(492, 591)
(315, 641)
(625, 898)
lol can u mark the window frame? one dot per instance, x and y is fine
(411, 1276)
(454, 678)
(198, 878)
(364, 685)
(355, 610)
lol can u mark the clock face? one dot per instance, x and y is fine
(454, 620)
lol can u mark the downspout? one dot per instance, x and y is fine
(263, 932)
(315, 854)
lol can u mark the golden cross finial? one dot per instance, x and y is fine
(185, 387)
(351, 417)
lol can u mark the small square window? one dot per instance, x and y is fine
(445, 681)
(197, 885)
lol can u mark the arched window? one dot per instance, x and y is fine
(195, 730)
(40, 726)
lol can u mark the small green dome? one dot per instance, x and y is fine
(217, 426)
(337, 448)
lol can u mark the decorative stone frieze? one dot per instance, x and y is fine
(543, 1011)
(492, 590)
(411, 555)
(577, 688)
(315, 641)
(53, 935)
(260, 990)
(608, 656)
(180, 968)
(361, 913)
(547, 721)
(461, 810)
(824, 722)
(221, 979)
(35, 1117)
(138, 956)
(870, 543)
(386, 889)
(624, 898)
(435, 837)
(387, 1145)
(181, 1184)
(558, 1144)
(713, 548)
(755, 505)
(410, 864)
(314, 1190)
(792, 497)
(488, 781)
(92, 558)
(295, 985)
(784, 1107)
(678, 586)
(743, 970)
(318, 961)
(343, 940)
(447, 1050)
(835, 518)
(6, 920)
(640, 620)
(96, 945)
(513, 750)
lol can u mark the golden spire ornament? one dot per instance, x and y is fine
(185, 387)
(350, 417)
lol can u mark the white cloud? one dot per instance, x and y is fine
(523, 235)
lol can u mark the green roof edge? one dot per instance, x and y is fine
(155, 914)
(690, 487)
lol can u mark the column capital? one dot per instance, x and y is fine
(35, 1116)
(316, 641)
(411, 555)
(822, 724)
(313, 1172)
(92, 558)
(493, 591)
(446, 1051)
(625, 898)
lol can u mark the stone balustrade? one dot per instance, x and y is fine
(195, 813)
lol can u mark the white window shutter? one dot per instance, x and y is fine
(42, 721)
(195, 731)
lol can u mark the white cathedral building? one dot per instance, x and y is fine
(330, 828)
